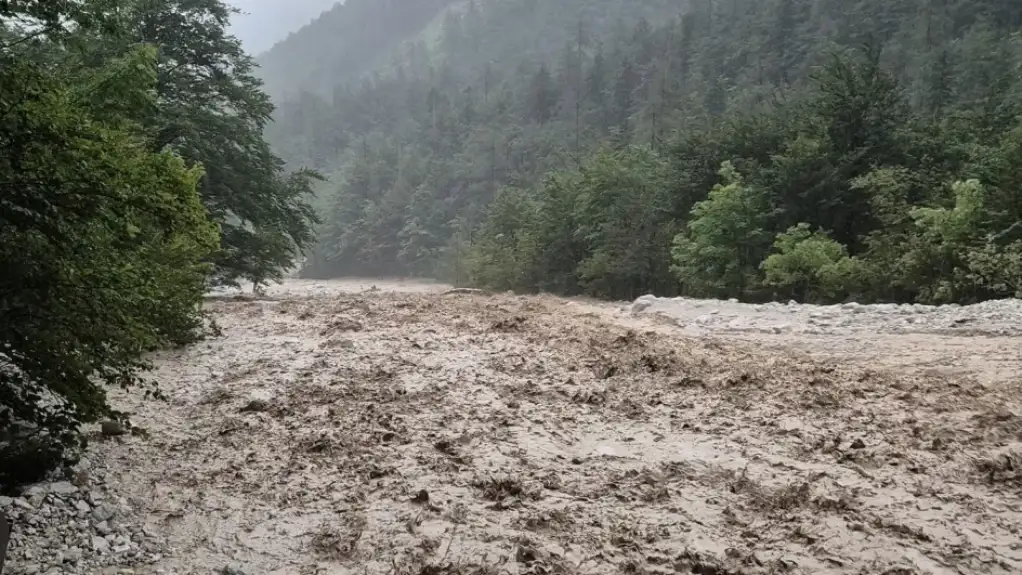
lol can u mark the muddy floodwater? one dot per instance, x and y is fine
(372, 427)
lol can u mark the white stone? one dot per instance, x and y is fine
(63, 488)
(103, 513)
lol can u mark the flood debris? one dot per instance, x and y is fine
(522, 435)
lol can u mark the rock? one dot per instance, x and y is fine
(858, 444)
(255, 406)
(100, 545)
(233, 569)
(22, 503)
(103, 513)
(36, 491)
(83, 506)
(640, 306)
(29, 568)
(63, 488)
(112, 428)
(6, 502)
(103, 528)
(73, 555)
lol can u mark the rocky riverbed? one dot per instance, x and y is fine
(695, 316)
(386, 428)
(79, 525)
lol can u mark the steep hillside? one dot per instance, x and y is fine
(356, 51)
(263, 23)
(341, 44)
(853, 129)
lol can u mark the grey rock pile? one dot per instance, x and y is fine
(66, 527)
(1000, 317)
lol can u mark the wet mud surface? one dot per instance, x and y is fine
(337, 428)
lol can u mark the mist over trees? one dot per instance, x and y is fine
(260, 24)
(134, 175)
(811, 149)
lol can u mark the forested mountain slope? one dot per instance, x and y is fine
(342, 43)
(262, 23)
(816, 149)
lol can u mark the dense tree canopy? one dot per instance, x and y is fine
(869, 148)
(212, 111)
(133, 173)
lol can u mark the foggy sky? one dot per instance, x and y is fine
(263, 23)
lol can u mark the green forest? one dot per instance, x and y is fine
(816, 150)
(134, 176)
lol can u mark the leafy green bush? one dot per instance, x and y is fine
(103, 244)
(719, 253)
(997, 268)
(810, 266)
(501, 258)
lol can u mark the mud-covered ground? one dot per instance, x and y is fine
(337, 428)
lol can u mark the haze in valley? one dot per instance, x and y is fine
(263, 23)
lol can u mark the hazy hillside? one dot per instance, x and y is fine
(342, 43)
(263, 23)
(817, 149)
